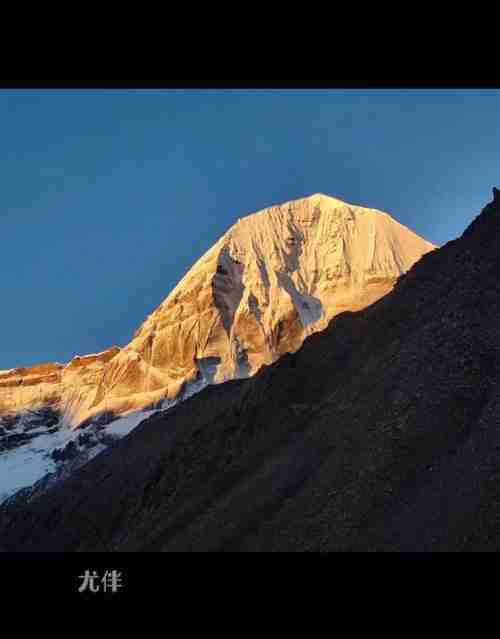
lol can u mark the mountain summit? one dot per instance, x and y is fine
(271, 280)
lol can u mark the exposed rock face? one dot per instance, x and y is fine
(67, 388)
(273, 279)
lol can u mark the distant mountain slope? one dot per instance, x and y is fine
(380, 433)
(275, 277)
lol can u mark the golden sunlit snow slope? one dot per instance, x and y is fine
(275, 277)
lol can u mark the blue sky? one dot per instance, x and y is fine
(108, 197)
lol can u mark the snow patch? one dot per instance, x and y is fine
(29, 462)
(309, 308)
(124, 425)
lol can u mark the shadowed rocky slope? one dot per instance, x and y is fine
(380, 433)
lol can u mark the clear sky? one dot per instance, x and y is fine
(108, 197)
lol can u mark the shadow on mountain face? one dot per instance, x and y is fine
(20, 428)
(17, 429)
(228, 287)
(381, 433)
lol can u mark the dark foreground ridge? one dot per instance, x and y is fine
(381, 433)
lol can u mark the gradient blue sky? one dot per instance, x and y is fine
(108, 197)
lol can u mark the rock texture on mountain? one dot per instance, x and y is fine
(273, 279)
(70, 389)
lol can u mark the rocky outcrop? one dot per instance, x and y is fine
(273, 279)
(69, 389)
